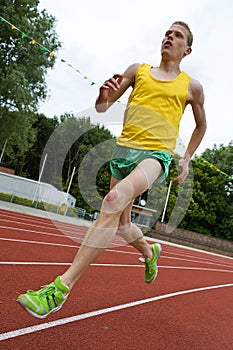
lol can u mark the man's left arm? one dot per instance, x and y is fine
(196, 100)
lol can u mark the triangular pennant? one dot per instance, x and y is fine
(42, 48)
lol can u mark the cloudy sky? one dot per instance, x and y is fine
(100, 38)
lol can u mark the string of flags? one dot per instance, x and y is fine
(229, 177)
(43, 48)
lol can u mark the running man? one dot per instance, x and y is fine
(141, 158)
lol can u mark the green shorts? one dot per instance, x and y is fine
(124, 161)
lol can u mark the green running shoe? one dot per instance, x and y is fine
(151, 268)
(46, 300)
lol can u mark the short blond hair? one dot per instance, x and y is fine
(190, 34)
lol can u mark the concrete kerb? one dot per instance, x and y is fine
(43, 214)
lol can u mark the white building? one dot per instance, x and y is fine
(34, 190)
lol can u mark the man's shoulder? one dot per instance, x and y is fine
(134, 69)
(131, 71)
(195, 85)
(196, 91)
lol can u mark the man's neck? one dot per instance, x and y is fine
(166, 71)
(169, 67)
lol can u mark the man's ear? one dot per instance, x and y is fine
(187, 51)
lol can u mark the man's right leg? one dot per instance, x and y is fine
(102, 232)
(50, 298)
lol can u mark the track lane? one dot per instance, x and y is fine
(107, 286)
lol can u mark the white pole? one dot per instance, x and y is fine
(165, 207)
(3, 150)
(42, 169)
(71, 179)
(67, 192)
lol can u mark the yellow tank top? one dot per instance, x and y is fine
(153, 112)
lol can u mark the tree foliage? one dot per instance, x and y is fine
(22, 66)
(43, 128)
(23, 69)
(79, 148)
(211, 206)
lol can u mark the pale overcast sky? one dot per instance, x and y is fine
(100, 38)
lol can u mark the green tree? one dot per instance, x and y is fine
(90, 155)
(211, 205)
(180, 196)
(78, 144)
(23, 68)
(16, 129)
(44, 127)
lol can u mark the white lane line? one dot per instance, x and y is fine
(28, 218)
(184, 247)
(34, 223)
(110, 265)
(38, 242)
(48, 224)
(108, 250)
(196, 261)
(177, 247)
(61, 234)
(213, 260)
(74, 236)
(78, 236)
(193, 268)
(63, 321)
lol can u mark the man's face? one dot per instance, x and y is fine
(174, 44)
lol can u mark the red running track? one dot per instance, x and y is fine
(188, 307)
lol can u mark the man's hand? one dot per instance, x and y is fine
(184, 165)
(114, 87)
(107, 91)
(113, 83)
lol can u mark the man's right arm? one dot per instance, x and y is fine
(113, 88)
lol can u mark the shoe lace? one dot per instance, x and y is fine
(45, 290)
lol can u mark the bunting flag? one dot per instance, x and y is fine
(201, 159)
(44, 49)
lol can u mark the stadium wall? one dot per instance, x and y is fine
(192, 239)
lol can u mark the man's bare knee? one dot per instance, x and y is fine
(111, 203)
(112, 195)
(118, 198)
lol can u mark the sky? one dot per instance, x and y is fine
(101, 38)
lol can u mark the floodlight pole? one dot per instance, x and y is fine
(67, 192)
(165, 206)
(3, 150)
(41, 172)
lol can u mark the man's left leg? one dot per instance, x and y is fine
(134, 236)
